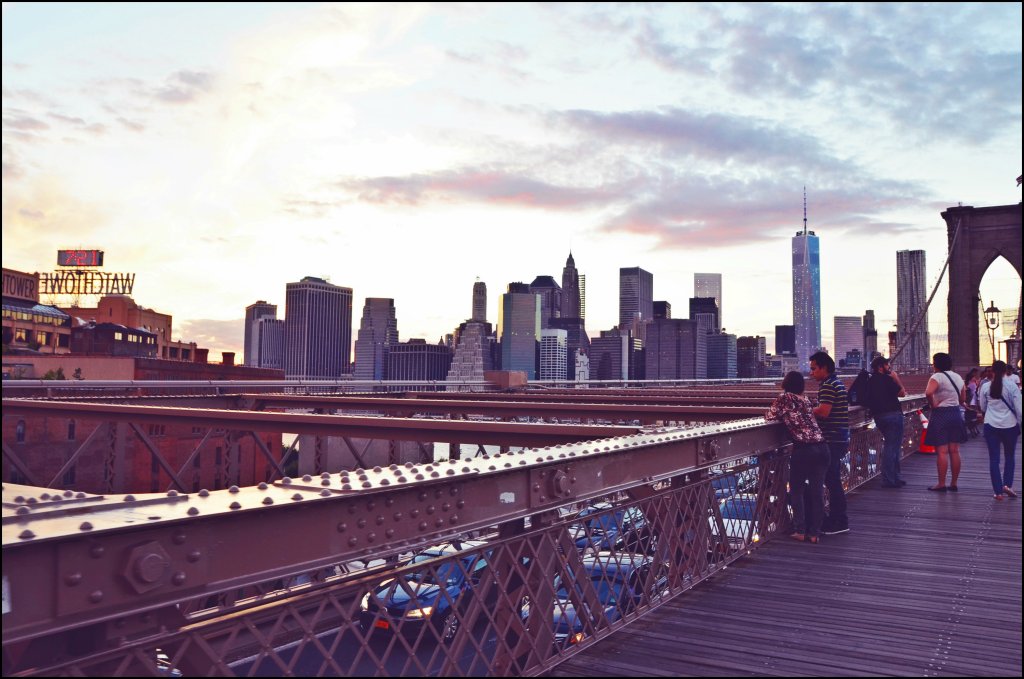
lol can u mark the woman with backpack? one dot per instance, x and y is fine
(1000, 400)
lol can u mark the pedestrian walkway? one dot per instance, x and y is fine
(925, 584)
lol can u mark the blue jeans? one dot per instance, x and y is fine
(891, 427)
(1007, 437)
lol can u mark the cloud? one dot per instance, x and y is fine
(926, 74)
(496, 186)
(14, 119)
(184, 87)
(132, 125)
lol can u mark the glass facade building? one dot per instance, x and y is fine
(519, 330)
(806, 295)
(317, 329)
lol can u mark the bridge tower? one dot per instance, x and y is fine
(985, 234)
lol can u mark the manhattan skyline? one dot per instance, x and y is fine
(403, 151)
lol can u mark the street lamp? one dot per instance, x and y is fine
(992, 322)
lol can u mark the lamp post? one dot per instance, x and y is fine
(992, 322)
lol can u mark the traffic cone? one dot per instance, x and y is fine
(924, 448)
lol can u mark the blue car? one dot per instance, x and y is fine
(426, 596)
(622, 581)
(603, 528)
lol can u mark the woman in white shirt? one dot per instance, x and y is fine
(946, 429)
(1000, 400)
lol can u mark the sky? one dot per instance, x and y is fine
(220, 151)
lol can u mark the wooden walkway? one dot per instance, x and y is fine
(925, 584)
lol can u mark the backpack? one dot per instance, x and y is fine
(858, 392)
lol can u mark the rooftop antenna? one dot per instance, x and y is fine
(805, 210)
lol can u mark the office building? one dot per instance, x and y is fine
(554, 354)
(806, 292)
(417, 361)
(849, 336)
(378, 331)
(268, 341)
(473, 355)
(576, 340)
(709, 285)
(519, 329)
(911, 313)
(317, 330)
(636, 300)
(676, 349)
(870, 337)
(662, 309)
(253, 313)
(572, 290)
(616, 355)
(704, 310)
(479, 302)
(721, 356)
(785, 340)
(751, 356)
(581, 366)
(550, 294)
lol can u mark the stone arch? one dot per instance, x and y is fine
(986, 234)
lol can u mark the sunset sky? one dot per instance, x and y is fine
(220, 151)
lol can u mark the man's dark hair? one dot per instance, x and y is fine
(793, 382)
(878, 362)
(825, 361)
(942, 361)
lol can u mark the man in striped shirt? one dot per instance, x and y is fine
(833, 413)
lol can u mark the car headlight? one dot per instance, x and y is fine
(419, 612)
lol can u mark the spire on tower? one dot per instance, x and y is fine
(805, 210)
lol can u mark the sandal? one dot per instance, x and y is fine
(998, 496)
(938, 489)
(952, 489)
(813, 539)
(1009, 491)
(799, 537)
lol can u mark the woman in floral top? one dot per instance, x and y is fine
(809, 460)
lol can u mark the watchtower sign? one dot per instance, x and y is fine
(79, 276)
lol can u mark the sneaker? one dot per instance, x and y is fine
(835, 530)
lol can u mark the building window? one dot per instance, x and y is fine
(71, 430)
(21, 335)
(19, 431)
(41, 338)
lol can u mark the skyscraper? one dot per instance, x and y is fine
(554, 354)
(704, 310)
(870, 336)
(479, 302)
(417, 360)
(253, 313)
(268, 338)
(911, 297)
(636, 299)
(806, 292)
(751, 354)
(849, 336)
(550, 293)
(519, 329)
(675, 350)
(721, 356)
(317, 329)
(662, 309)
(785, 340)
(378, 331)
(709, 285)
(572, 297)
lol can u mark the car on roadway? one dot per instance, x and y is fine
(427, 595)
(604, 527)
(621, 582)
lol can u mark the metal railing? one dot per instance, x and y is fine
(502, 564)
